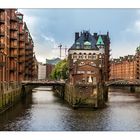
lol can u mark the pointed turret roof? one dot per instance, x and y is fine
(100, 41)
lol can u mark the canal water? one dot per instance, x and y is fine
(43, 111)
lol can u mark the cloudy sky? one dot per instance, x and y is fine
(50, 27)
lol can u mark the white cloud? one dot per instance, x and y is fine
(123, 48)
(48, 49)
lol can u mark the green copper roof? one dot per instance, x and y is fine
(87, 43)
(138, 48)
(77, 43)
(100, 41)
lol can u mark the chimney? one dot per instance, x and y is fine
(76, 35)
(108, 34)
(95, 35)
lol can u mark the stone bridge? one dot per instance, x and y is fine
(44, 83)
(129, 83)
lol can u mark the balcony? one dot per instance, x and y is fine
(2, 33)
(26, 64)
(28, 49)
(30, 63)
(20, 71)
(21, 39)
(2, 64)
(30, 68)
(14, 28)
(2, 45)
(21, 33)
(26, 59)
(13, 18)
(21, 54)
(13, 55)
(12, 69)
(13, 47)
(13, 37)
(2, 21)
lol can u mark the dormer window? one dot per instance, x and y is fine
(77, 45)
(87, 45)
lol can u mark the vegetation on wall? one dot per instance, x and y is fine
(60, 71)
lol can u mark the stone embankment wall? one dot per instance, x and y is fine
(11, 93)
(83, 95)
(59, 91)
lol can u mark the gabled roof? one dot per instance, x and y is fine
(85, 39)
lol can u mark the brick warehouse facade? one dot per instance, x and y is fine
(88, 63)
(126, 68)
(16, 48)
(88, 57)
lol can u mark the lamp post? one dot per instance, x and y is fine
(60, 46)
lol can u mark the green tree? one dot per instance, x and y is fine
(60, 71)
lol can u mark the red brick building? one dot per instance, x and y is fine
(16, 47)
(89, 58)
(126, 68)
(123, 68)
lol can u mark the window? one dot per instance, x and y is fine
(81, 64)
(89, 56)
(85, 56)
(88, 72)
(93, 72)
(80, 72)
(74, 56)
(94, 56)
(94, 80)
(93, 64)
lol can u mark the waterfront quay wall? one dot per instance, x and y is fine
(83, 95)
(86, 95)
(59, 91)
(11, 93)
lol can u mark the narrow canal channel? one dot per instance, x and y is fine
(43, 111)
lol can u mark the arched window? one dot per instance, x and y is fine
(85, 56)
(75, 55)
(94, 57)
(89, 56)
(80, 56)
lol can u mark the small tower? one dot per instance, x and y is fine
(100, 45)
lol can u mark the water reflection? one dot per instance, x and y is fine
(44, 112)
